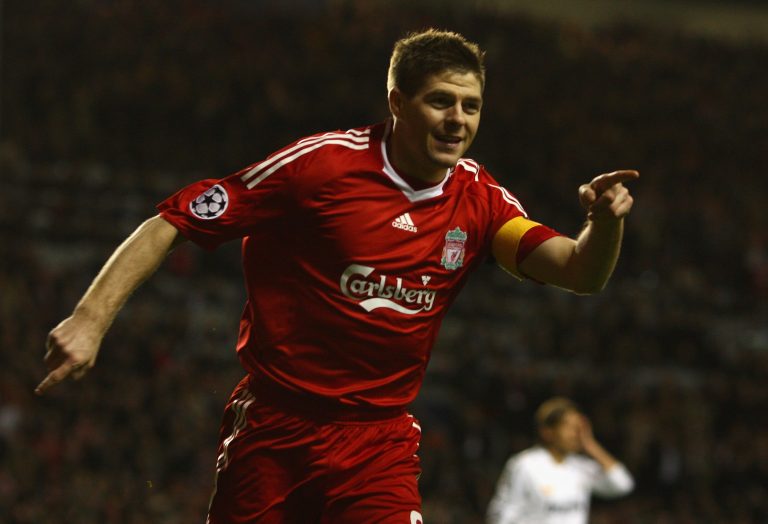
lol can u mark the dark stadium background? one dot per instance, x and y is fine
(109, 106)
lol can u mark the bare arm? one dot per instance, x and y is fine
(585, 264)
(72, 346)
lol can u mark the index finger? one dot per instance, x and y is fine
(54, 377)
(603, 182)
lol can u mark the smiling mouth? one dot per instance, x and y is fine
(448, 139)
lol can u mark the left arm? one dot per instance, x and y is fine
(585, 264)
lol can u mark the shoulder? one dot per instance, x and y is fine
(477, 181)
(470, 173)
(332, 142)
(582, 463)
(527, 459)
(474, 174)
(331, 149)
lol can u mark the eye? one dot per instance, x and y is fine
(471, 107)
(440, 102)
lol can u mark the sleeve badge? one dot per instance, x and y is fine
(211, 204)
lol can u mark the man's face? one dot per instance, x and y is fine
(566, 436)
(435, 127)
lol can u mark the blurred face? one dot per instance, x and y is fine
(565, 437)
(435, 127)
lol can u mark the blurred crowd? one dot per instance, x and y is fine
(108, 107)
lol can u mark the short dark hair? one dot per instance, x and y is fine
(551, 413)
(420, 55)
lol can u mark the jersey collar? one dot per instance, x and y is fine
(413, 195)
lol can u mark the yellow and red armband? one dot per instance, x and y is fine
(516, 239)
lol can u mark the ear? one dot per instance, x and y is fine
(395, 100)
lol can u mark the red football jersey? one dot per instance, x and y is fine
(349, 270)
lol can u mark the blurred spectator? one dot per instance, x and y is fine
(552, 482)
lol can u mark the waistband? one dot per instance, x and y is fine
(316, 407)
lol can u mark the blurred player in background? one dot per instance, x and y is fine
(355, 243)
(551, 483)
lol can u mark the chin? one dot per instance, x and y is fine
(446, 161)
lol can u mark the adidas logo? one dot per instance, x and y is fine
(404, 222)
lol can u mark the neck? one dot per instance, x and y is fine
(404, 163)
(557, 454)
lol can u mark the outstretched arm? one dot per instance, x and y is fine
(585, 264)
(72, 346)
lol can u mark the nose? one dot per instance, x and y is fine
(456, 115)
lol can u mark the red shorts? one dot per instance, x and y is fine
(283, 466)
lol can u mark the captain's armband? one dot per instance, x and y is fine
(506, 246)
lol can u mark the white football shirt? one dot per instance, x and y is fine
(535, 489)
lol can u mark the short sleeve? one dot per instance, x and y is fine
(511, 225)
(614, 482)
(211, 212)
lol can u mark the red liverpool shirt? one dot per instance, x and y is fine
(349, 270)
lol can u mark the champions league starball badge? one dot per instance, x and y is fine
(210, 204)
(453, 251)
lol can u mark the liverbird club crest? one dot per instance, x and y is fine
(453, 251)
